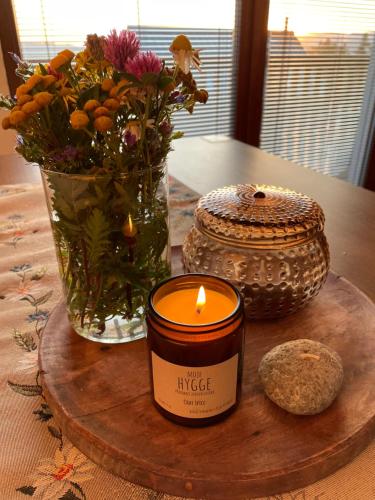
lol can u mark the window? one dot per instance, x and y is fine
(45, 27)
(318, 82)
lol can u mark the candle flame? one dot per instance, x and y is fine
(201, 299)
(129, 229)
(130, 224)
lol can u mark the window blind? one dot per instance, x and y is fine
(317, 77)
(45, 27)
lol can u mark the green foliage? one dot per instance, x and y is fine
(105, 273)
(97, 230)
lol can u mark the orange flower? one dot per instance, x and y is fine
(91, 104)
(101, 111)
(48, 80)
(43, 98)
(5, 123)
(34, 80)
(184, 54)
(79, 119)
(58, 61)
(22, 89)
(107, 84)
(103, 123)
(113, 91)
(111, 104)
(31, 107)
(16, 108)
(119, 90)
(181, 42)
(17, 117)
(67, 53)
(24, 99)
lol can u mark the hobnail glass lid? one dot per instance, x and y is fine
(256, 211)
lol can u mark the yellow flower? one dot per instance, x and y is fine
(91, 104)
(103, 123)
(5, 123)
(34, 80)
(22, 89)
(101, 111)
(111, 104)
(107, 84)
(43, 98)
(24, 99)
(48, 80)
(17, 117)
(31, 107)
(79, 119)
(58, 61)
(184, 54)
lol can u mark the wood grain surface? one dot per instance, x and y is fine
(100, 395)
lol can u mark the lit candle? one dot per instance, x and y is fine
(195, 339)
(196, 306)
(129, 229)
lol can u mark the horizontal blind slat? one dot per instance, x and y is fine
(315, 83)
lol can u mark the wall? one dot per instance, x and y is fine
(7, 137)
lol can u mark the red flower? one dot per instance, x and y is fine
(119, 48)
(144, 62)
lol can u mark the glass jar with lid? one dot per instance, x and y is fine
(267, 241)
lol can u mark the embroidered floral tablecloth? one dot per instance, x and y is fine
(36, 460)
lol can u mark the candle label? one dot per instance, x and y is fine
(195, 391)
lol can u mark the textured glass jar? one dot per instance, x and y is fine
(267, 241)
(112, 245)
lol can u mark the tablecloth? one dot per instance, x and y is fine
(36, 460)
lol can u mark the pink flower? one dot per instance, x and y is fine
(119, 48)
(144, 62)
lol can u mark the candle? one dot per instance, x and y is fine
(195, 340)
(183, 306)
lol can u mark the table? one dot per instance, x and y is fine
(204, 164)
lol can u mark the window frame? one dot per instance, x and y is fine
(9, 43)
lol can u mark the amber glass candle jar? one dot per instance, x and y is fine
(195, 350)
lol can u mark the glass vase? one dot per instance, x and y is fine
(111, 235)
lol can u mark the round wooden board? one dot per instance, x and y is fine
(100, 396)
